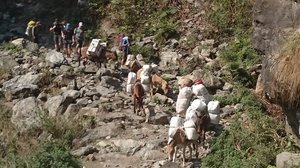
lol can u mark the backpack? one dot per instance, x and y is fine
(30, 25)
(78, 34)
(125, 41)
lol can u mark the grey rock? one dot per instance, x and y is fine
(72, 111)
(227, 87)
(71, 94)
(287, 160)
(84, 151)
(82, 101)
(21, 91)
(108, 81)
(160, 118)
(103, 90)
(161, 98)
(57, 105)
(54, 58)
(153, 155)
(168, 57)
(26, 114)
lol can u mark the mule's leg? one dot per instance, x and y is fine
(191, 152)
(183, 155)
(134, 104)
(175, 154)
(196, 149)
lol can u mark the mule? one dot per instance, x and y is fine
(179, 141)
(138, 95)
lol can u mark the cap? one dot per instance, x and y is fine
(68, 26)
(198, 82)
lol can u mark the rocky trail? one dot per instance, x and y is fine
(113, 136)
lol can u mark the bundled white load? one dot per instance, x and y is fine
(131, 78)
(196, 108)
(95, 47)
(213, 107)
(191, 114)
(214, 118)
(130, 59)
(154, 68)
(175, 123)
(190, 130)
(183, 100)
(145, 79)
(201, 93)
(129, 88)
(146, 70)
(130, 81)
(198, 105)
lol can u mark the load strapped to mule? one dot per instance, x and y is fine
(96, 48)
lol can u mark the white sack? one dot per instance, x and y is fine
(128, 88)
(185, 93)
(176, 122)
(198, 105)
(131, 78)
(213, 107)
(191, 114)
(182, 105)
(190, 130)
(145, 79)
(215, 118)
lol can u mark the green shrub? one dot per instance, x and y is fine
(54, 154)
(229, 16)
(239, 56)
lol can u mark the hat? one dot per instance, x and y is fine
(198, 82)
(68, 26)
(80, 24)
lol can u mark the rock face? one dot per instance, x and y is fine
(26, 114)
(273, 21)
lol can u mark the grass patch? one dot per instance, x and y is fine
(253, 140)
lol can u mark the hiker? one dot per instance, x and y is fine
(67, 35)
(36, 31)
(78, 37)
(57, 31)
(29, 28)
(125, 48)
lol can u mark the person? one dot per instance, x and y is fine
(67, 35)
(119, 39)
(36, 32)
(125, 48)
(57, 31)
(29, 28)
(78, 37)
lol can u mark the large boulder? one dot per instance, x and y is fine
(209, 79)
(27, 114)
(168, 57)
(54, 58)
(28, 45)
(23, 86)
(287, 160)
(58, 104)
